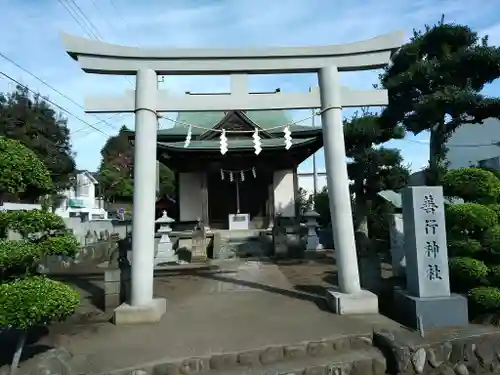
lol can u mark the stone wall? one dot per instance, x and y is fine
(460, 351)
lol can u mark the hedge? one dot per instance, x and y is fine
(469, 219)
(464, 247)
(467, 272)
(485, 299)
(491, 239)
(35, 300)
(472, 185)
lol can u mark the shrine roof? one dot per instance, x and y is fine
(266, 120)
(235, 144)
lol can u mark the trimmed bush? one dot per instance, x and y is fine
(484, 299)
(464, 247)
(35, 300)
(491, 239)
(495, 207)
(467, 272)
(494, 276)
(21, 171)
(469, 220)
(472, 185)
(31, 222)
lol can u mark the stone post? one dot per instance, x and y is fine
(165, 253)
(312, 244)
(397, 245)
(350, 299)
(427, 302)
(143, 308)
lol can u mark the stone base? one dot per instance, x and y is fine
(165, 256)
(315, 254)
(151, 313)
(364, 302)
(432, 312)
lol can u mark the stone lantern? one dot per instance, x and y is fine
(313, 244)
(165, 252)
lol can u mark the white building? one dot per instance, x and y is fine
(81, 201)
(475, 144)
(470, 145)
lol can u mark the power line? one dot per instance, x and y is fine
(118, 13)
(91, 31)
(75, 17)
(54, 104)
(77, 13)
(52, 87)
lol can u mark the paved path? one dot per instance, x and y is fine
(247, 305)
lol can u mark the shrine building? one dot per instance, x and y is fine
(237, 188)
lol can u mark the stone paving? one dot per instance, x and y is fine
(245, 305)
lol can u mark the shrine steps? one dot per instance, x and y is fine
(242, 244)
(353, 355)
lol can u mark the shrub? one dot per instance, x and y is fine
(464, 247)
(21, 171)
(35, 300)
(472, 185)
(495, 207)
(484, 299)
(64, 245)
(491, 239)
(466, 272)
(31, 222)
(469, 219)
(494, 275)
(17, 257)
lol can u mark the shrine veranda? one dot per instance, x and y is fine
(236, 145)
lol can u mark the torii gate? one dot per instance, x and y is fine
(146, 101)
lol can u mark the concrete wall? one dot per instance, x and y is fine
(481, 135)
(87, 231)
(284, 192)
(190, 196)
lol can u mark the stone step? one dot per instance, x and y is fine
(354, 362)
(346, 355)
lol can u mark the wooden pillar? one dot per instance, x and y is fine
(270, 204)
(204, 200)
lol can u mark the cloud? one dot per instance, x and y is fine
(30, 37)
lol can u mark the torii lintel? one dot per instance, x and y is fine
(105, 58)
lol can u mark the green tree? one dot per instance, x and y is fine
(28, 299)
(22, 174)
(304, 201)
(116, 170)
(30, 120)
(372, 168)
(435, 85)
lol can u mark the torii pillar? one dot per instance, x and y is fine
(147, 100)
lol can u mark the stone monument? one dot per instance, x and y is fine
(165, 253)
(427, 302)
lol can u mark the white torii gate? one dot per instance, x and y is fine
(146, 101)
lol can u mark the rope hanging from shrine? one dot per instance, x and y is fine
(232, 175)
(257, 141)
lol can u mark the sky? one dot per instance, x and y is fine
(30, 37)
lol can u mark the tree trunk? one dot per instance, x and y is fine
(17, 354)
(437, 154)
(361, 223)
